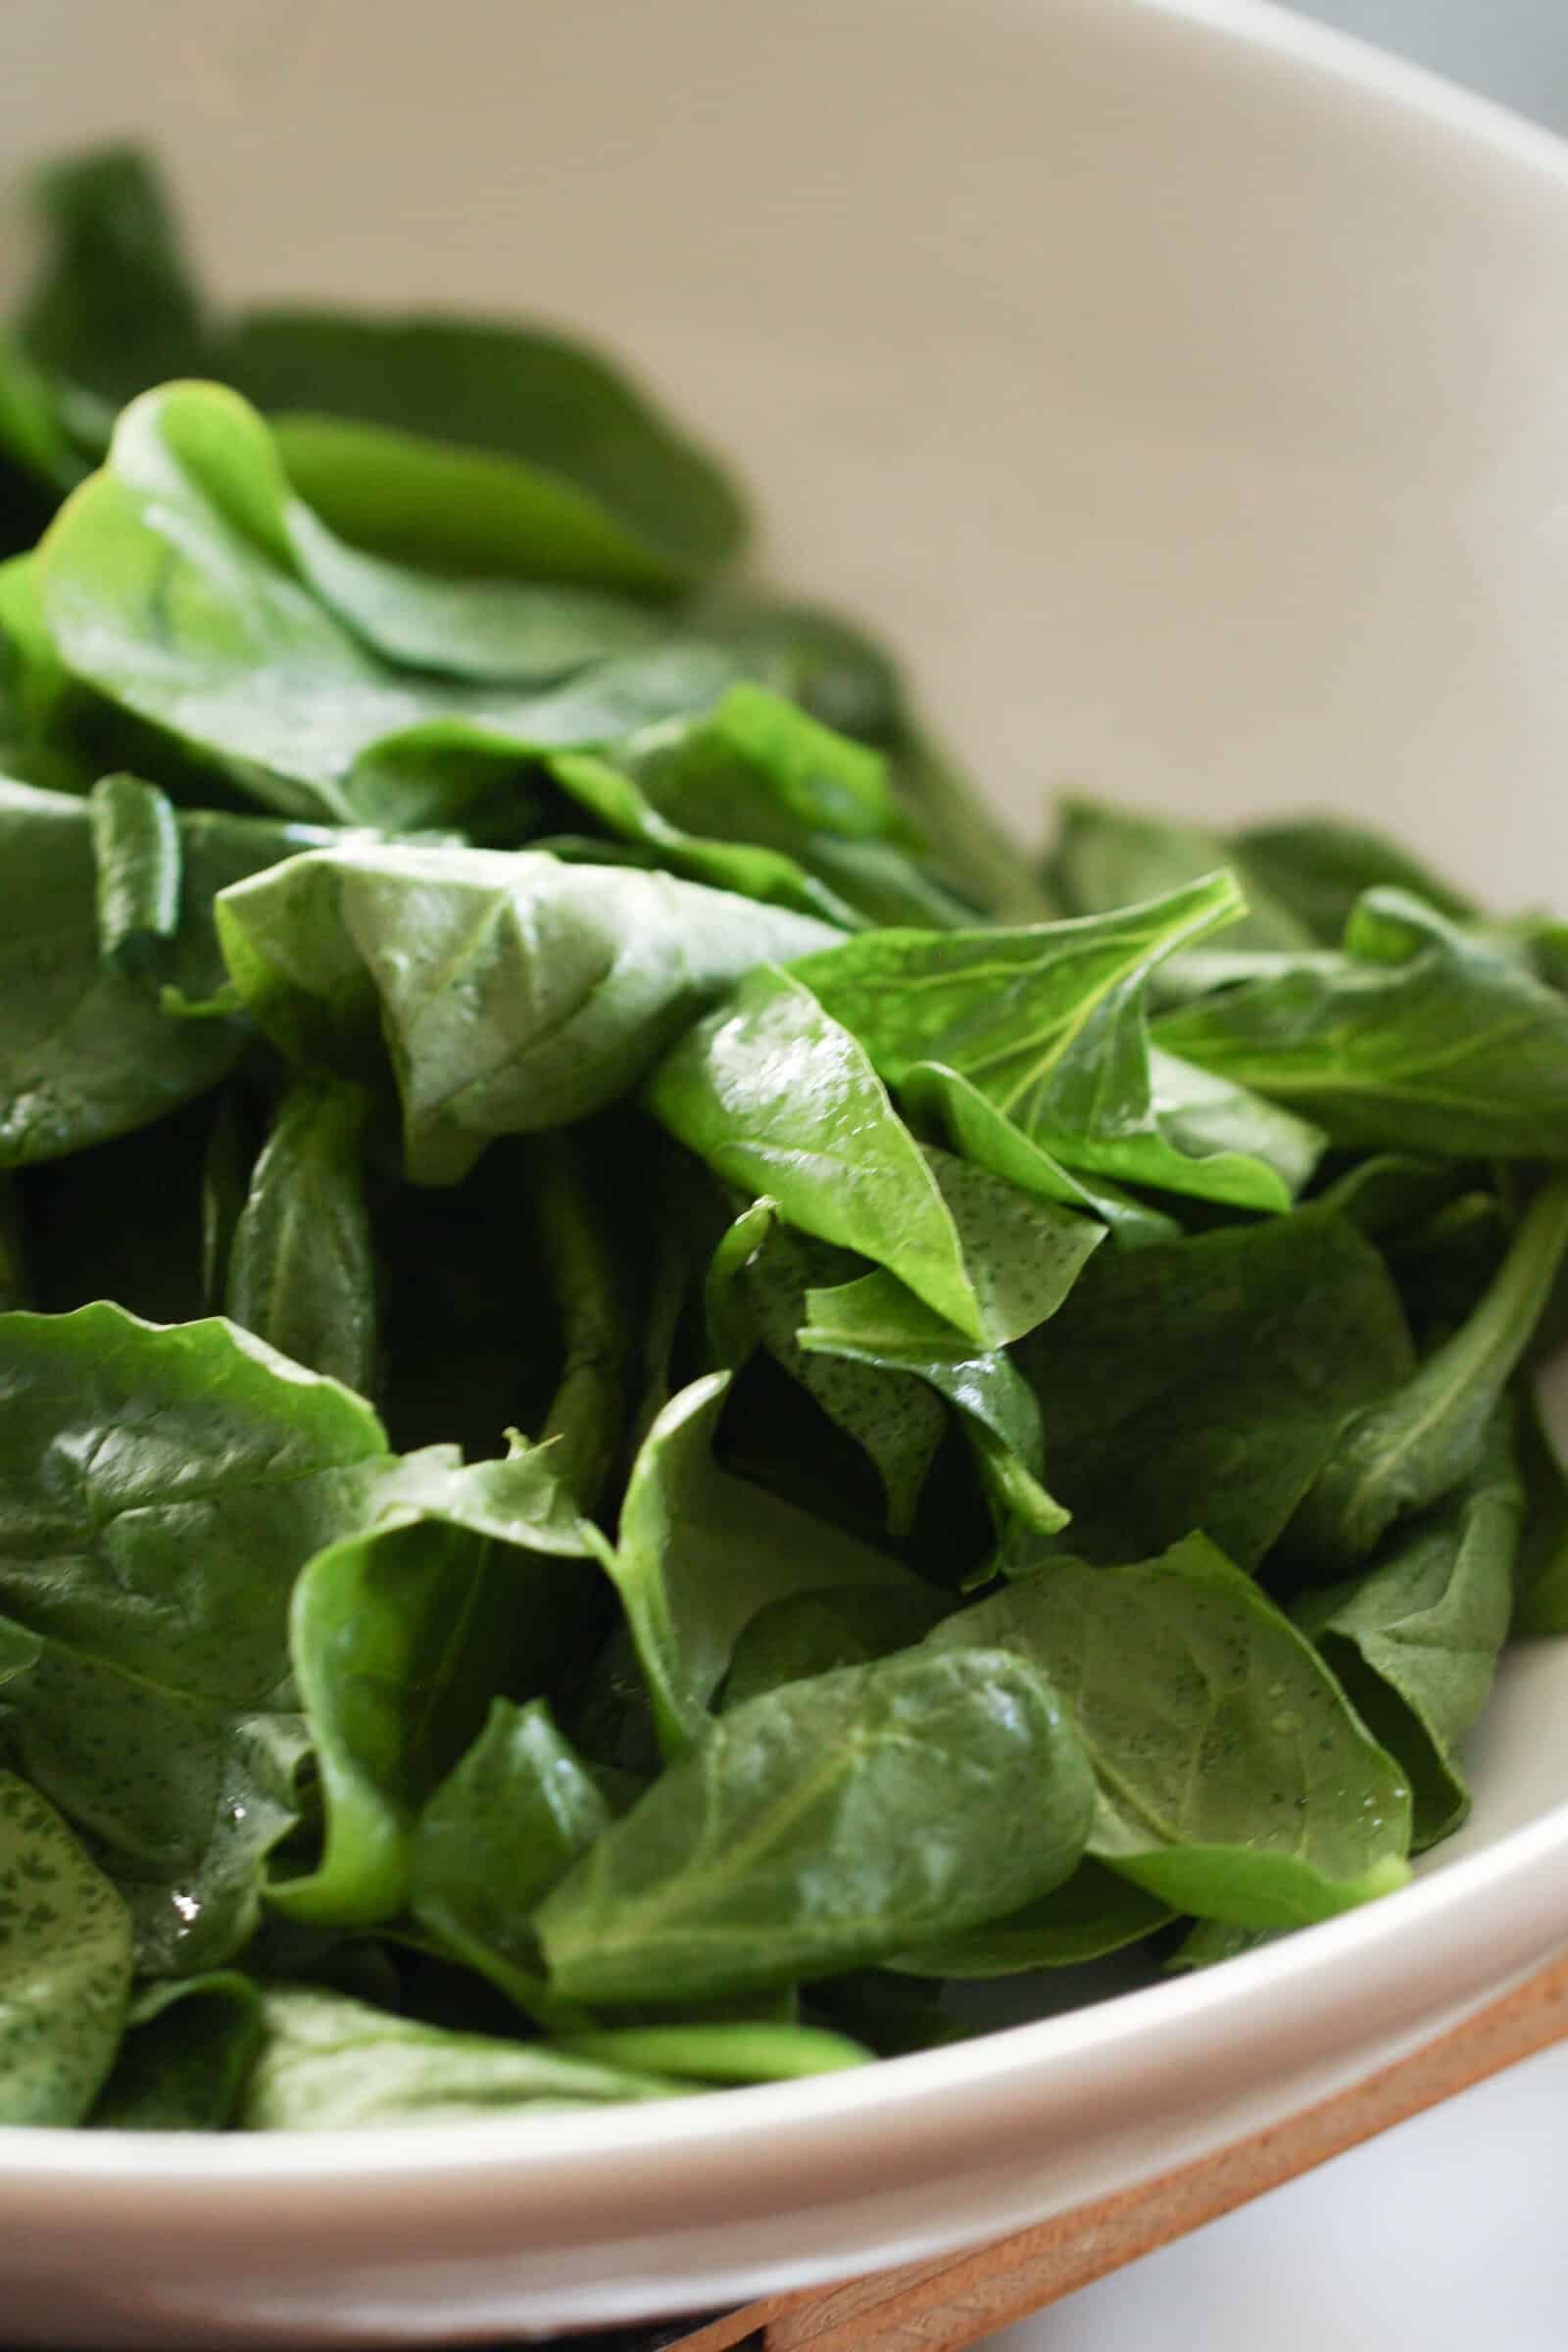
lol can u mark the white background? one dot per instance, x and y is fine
(1448, 2233)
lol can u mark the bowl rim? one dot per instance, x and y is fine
(1401, 1966)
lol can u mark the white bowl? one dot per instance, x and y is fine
(1186, 391)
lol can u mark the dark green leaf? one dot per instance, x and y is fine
(301, 1271)
(510, 1817)
(1204, 1383)
(188, 2051)
(1235, 1782)
(1048, 1024)
(1106, 858)
(1094, 1912)
(1411, 1447)
(700, 1552)
(1419, 1036)
(826, 1825)
(780, 1100)
(1415, 1641)
(1320, 867)
(513, 992)
(136, 851)
(807, 1633)
(484, 447)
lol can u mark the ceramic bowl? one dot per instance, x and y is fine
(1185, 391)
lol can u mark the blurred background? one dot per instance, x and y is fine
(1447, 2231)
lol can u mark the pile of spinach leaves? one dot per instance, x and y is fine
(653, 1404)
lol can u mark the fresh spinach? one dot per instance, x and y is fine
(64, 1964)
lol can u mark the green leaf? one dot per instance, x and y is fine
(1106, 857)
(113, 307)
(401, 1636)
(136, 851)
(1092, 1914)
(1320, 867)
(875, 1321)
(780, 1100)
(170, 583)
(756, 1290)
(1415, 1641)
(824, 1825)
(512, 1815)
(86, 1050)
(806, 1634)
(503, 632)
(1419, 1036)
(721, 2051)
(1204, 1383)
(976, 1130)
(1234, 1780)
(700, 1552)
(477, 446)
(1412, 1446)
(331, 2064)
(301, 1268)
(188, 2051)
(1540, 1603)
(1048, 1024)
(159, 1492)
(513, 992)
(64, 1965)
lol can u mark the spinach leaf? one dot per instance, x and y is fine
(476, 446)
(86, 1050)
(573, 1220)
(1415, 1641)
(1234, 1780)
(875, 1321)
(779, 1099)
(188, 2051)
(513, 992)
(301, 1271)
(1541, 1577)
(1320, 867)
(1048, 1024)
(136, 851)
(503, 632)
(1409, 1447)
(826, 1825)
(1106, 858)
(979, 1132)
(756, 1290)
(700, 1552)
(158, 1491)
(516, 1810)
(400, 1635)
(64, 1964)
(333, 2064)
(1093, 1913)
(35, 442)
(807, 1633)
(1419, 1036)
(170, 583)
(721, 2051)
(113, 307)
(1224, 1368)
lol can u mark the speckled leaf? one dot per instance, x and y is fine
(64, 1965)
(1235, 1782)
(1224, 1368)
